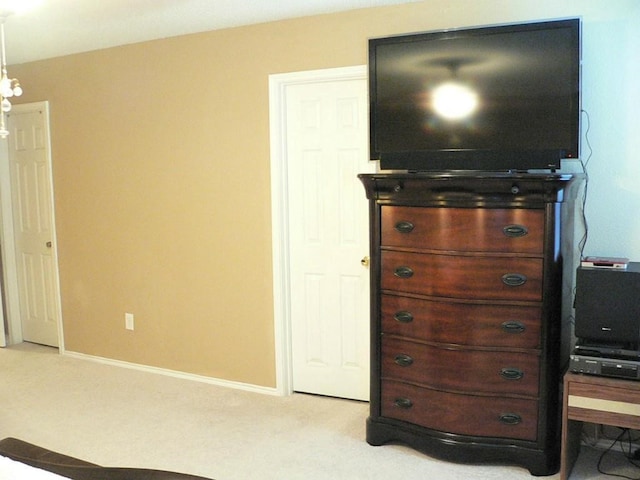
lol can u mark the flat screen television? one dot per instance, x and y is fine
(497, 98)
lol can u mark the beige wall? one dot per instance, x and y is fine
(161, 177)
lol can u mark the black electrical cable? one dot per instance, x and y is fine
(628, 454)
(583, 241)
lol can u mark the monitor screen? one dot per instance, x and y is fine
(491, 98)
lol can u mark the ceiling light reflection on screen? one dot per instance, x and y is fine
(454, 101)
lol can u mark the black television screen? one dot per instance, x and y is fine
(491, 98)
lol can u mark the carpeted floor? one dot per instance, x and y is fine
(121, 417)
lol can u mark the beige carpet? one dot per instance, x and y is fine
(121, 417)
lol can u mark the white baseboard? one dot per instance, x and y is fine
(173, 373)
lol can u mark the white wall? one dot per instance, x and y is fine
(611, 96)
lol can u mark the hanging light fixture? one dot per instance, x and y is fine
(9, 87)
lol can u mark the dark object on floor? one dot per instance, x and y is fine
(79, 469)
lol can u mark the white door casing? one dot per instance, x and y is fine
(319, 137)
(36, 270)
(6, 244)
(10, 292)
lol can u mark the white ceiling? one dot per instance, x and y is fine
(61, 27)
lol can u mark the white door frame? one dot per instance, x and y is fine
(7, 235)
(9, 293)
(7, 240)
(278, 84)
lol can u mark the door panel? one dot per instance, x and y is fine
(33, 226)
(326, 147)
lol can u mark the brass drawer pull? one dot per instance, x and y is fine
(510, 418)
(403, 402)
(405, 227)
(509, 373)
(514, 279)
(403, 316)
(403, 360)
(515, 231)
(403, 272)
(513, 326)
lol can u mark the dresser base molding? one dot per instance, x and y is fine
(463, 449)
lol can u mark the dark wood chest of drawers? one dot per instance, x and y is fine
(469, 338)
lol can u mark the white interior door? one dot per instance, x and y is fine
(326, 147)
(32, 206)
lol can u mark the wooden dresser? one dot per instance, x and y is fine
(468, 335)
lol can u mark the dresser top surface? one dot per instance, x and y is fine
(481, 189)
(475, 175)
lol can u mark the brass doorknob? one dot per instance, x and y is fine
(365, 261)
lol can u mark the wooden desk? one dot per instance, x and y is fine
(601, 400)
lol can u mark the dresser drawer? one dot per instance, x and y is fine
(461, 323)
(466, 277)
(461, 414)
(459, 369)
(464, 229)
